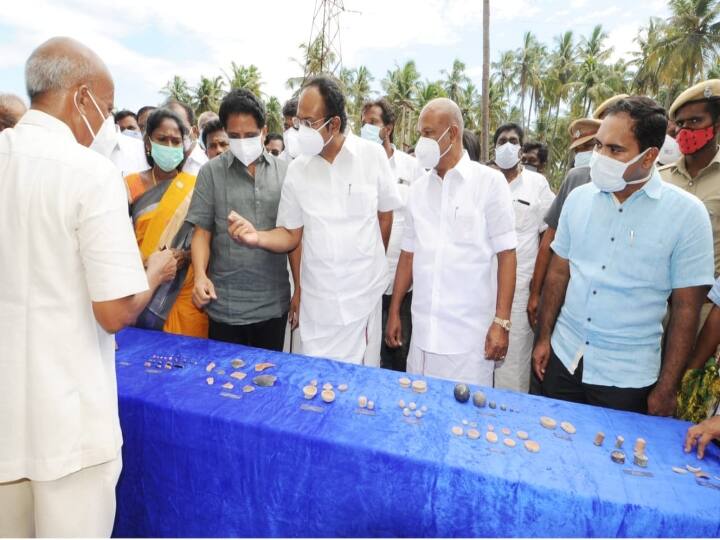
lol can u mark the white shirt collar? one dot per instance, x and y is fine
(35, 117)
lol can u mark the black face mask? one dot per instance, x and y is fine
(275, 152)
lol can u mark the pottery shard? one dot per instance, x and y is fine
(568, 427)
(404, 382)
(248, 388)
(523, 435)
(228, 386)
(679, 470)
(457, 431)
(237, 363)
(419, 386)
(547, 422)
(509, 442)
(532, 446)
(692, 469)
(265, 380)
(239, 375)
(491, 436)
(328, 396)
(210, 380)
(210, 367)
(473, 433)
(327, 386)
(262, 366)
(310, 391)
(401, 403)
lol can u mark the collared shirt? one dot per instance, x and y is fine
(625, 260)
(344, 271)
(65, 241)
(531, 197)
(454, 227)
(129, 155)
(195, 160)
(577, 176)
(706, 187)
(714, 294)
(252, 285)
(405, 170)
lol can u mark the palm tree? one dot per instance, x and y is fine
(591, 85)
(273, 115)
(177, 89)
(455, 79)
(505, 73)
(316, 58)
(244, 77)
(401, 87)
(427, 91)
(561, 73)
(525, 59)
(208, 94)
(691, 40)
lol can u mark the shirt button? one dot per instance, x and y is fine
(612, 239)
(620, 210)
(589, 319)
(603, 267)
(587, 343)
(594, 292)
(690, 183)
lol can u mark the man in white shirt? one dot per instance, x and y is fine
(72, 276)
(195, 156)
(459, 216)
(337, 198)
(378, 126)
(531, 197)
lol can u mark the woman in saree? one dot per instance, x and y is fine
(159, 201)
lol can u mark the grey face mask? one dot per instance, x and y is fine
(532, 168)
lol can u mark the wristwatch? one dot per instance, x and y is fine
(503, 323)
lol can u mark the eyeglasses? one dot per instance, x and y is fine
(307, 123)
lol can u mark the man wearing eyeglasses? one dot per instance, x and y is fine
(337, 200)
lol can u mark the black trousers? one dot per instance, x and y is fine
(268, 334)
(559, 383)
(396, 358)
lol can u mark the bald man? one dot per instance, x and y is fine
(459, 217)
(72, 276)
(11, 110)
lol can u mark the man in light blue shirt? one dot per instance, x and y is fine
(626, 244)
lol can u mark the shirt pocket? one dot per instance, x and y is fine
(360, 200)
(464, 224)
(524, 213)
(645, 260)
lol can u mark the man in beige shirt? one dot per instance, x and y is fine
(696, 113)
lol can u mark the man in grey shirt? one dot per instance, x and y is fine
(246, 291)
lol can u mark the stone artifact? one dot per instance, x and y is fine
(567, 427)
(640, 459)
(492, 405)
(478, 399)
(343, 387)
(310, 391)
(407, 412)
(457, 431)
(619, 440)
(401, 403)
(404, 382)
(617, 456)
(248, 388)
(237, 363)
(362, 402)
(328, 396)
(462, 392)
(522, 435)
(210, 367)
(262, 366)
(547, 422)
(265, 380)
(419, 386)
(640, 445)
(506, 431)
(692, 469)
(680, 470)
(599, 439)
(532, 446)
(509, 442)
(371, 405)
(412, 406)
(210, 380)
(491, 437)
(239, 375)
(228, 386)
(473, 433)
(327, 386)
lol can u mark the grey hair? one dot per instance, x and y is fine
(52, 72)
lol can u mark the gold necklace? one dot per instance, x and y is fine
(152, 172)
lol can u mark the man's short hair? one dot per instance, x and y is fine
(471, 144)
(509, 126)
(542, 150)
(213, 126)
(46, 72)
(187, 108)
(290, 107)
(274, 137)
(124, 114)
(242, 101)
(142, 110)
(333, 97)
(649, 120)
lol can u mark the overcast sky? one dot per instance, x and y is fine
(146, 43)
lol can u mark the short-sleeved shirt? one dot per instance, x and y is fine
(706, 187)
(531, 196)
(454, 227)
(625, 260)
(576, 177)
(343, 272)
(66, 241)
(252, 285)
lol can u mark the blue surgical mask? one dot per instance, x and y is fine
(371, 133)
(135, 134)
(582, 159)
(166, 157)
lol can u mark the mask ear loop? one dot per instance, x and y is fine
(438, 141)
(87, 124)
(325, 124)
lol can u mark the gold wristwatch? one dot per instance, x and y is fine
(503, 323)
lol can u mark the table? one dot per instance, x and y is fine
(201, 460)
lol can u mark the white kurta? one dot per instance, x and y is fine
(454, 227)
(343, 271)
(532, 198)
(129, 155)
(195, 160)
(65, 241)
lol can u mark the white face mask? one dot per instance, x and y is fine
(105, 140)
(427, 151)
(507, 155)
(670, 151)
(310, 142)
(607, 173)
(290, 138)
(246, 150)
(582, 159)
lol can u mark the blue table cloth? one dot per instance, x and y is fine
(202, 460)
